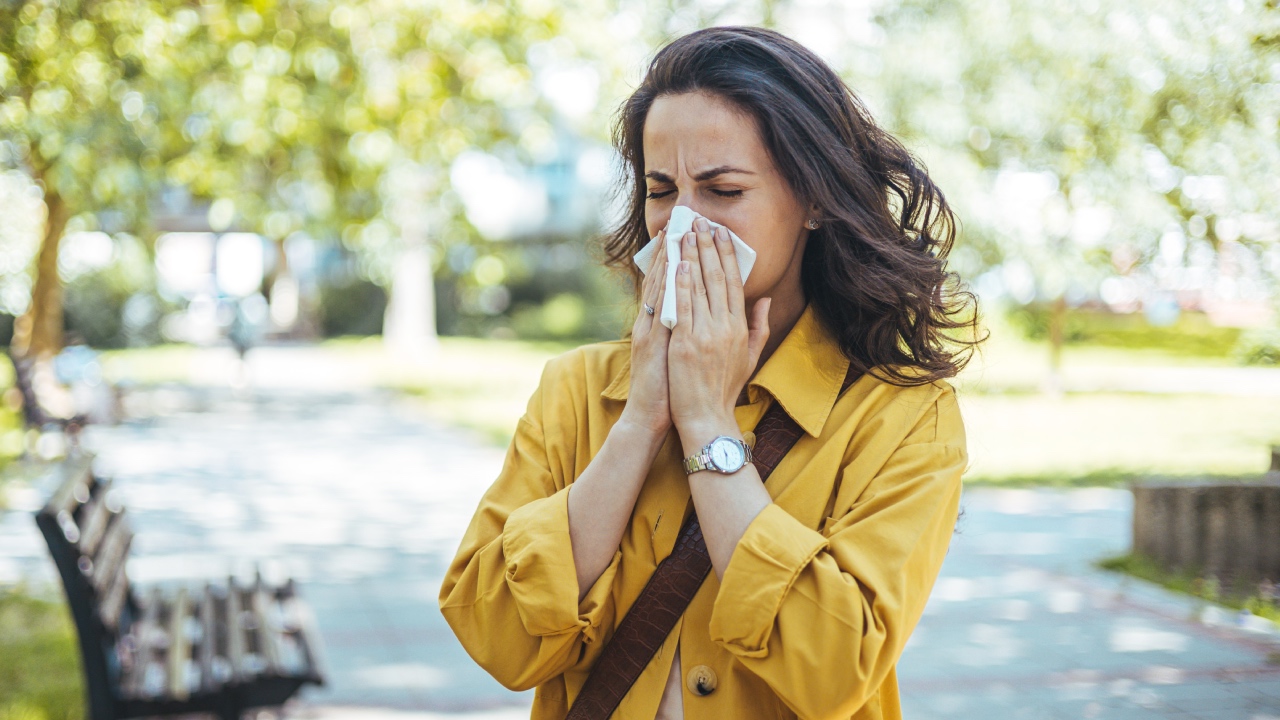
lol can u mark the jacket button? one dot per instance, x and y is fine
(701, 680)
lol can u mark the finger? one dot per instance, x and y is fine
(654, 279)
(684, 298)
(712, 273)
(662, 246)
(698, 299)
(758, 333)
(655, 275)
(659, 295)
(653, 261)
(732, 277)
(647, 293)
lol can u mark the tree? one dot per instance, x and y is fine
(70, 116)
(1074, 137)
(284, 115)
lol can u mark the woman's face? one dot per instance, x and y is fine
(703, 152)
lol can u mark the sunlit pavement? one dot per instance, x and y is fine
(363, 500)
(1020, 625)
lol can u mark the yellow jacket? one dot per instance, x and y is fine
(820, 594)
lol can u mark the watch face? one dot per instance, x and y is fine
(727, 454)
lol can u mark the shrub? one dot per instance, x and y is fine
(353, 306)
(1192, 334)
(1258, 347)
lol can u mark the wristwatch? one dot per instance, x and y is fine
(723, 454)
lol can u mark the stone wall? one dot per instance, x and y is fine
(1229, 531)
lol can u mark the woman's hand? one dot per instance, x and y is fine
(647, 401)
(712, 350)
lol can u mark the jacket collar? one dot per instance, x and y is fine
(804, 374)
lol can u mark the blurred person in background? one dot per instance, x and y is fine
(245, 329)
(820, 574)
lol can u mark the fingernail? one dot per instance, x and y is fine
(690, 238)
(701, 224)
(683, 267)
(722, 234)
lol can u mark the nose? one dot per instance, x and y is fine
(689, 199)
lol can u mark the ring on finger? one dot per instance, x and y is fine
(648, 309)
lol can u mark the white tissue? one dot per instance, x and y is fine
(682, 222)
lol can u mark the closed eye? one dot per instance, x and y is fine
(722, 193)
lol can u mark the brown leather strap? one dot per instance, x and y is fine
(673, 585)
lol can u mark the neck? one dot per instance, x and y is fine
(782, 317)
(784, 312)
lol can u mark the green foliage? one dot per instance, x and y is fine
(286, 113)
(1191, 335)
(353, 306)
(1258, 347)
(40, 675)
(69, 104)
(551, 292)
(95, 310)
(1135, 118)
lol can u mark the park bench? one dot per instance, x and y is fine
(224, 648)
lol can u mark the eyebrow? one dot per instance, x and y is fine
(700, 177)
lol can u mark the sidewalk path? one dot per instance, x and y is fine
(363, 500)
(1020, 625)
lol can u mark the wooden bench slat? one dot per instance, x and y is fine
(73, 485)
(209, 644)
(235, 631)
(179, 645)
(111, 557)
(113, 599)
(95, 517)
(147, 652)
(268, 630)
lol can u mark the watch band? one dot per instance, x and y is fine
(700, 460)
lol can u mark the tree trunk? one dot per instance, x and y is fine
(409, 325)
(38, 333)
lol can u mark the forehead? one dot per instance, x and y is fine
(693, 130)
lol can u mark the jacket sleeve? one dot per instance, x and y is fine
(822, 617)
(511, 593)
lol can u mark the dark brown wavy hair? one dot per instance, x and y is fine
(875, 269)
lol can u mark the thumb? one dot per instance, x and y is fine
(758, 332)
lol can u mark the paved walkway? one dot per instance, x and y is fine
(363, 500)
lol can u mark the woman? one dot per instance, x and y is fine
(821, 573)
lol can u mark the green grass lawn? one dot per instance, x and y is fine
(1109, 438)
(1017, 434)
(39, 660)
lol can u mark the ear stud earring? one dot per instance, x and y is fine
(812, 224)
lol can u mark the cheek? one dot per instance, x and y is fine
(774, 246)
(655, 219)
